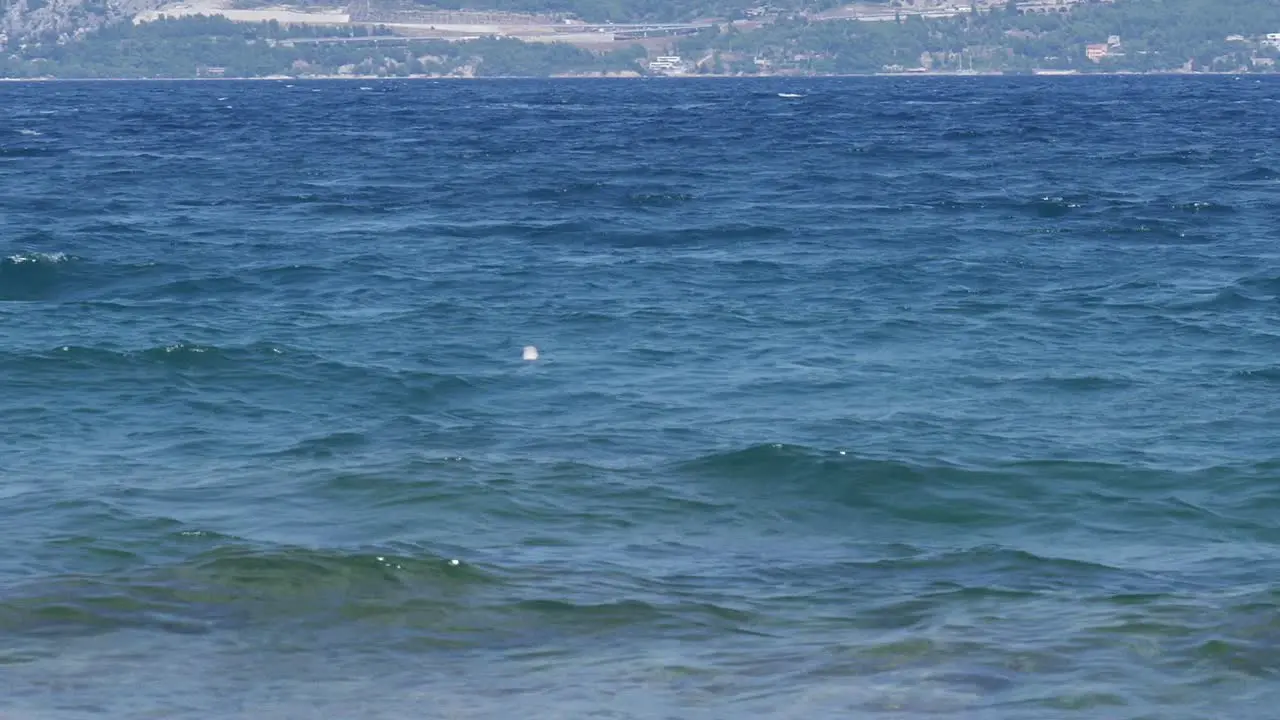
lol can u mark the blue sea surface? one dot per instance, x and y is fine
(868, 398)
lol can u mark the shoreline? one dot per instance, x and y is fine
(624, 76)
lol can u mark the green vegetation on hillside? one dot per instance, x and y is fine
(1153, 35)
(633, 10)
(202, 46)
(617, 11)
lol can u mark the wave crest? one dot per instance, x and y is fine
(933, 493)
(182, 354)
(30, 276)
(232, 586)
(846, 479)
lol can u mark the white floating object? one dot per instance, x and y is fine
(454, 563)
(530, 353)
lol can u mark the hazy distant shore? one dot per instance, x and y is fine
(622, 76)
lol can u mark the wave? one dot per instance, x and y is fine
(1258, 174)
(579, 192)
(326, 445)
(572, 192)
(1230, 298)
(61, 276)
(28, 152)
(759, 481)
(963, 134)
(37, 258)
(771, 459)
(215, 286)
(1046, 206)
(1053, 207)
(1181, 158)
(620, 235)
(31, 276)
(178, 355)
(424, 596)
(942, 576)
(260, 368)
(1056, 206)
(1080, 383)
(711, 235)
(1264, 283)
(1156, 231)
(1251, 291)
(939, 493)
(1203, 206)
(659, 199)
(1270, 373)
(231, 585)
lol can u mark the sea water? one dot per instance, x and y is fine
(897, 397)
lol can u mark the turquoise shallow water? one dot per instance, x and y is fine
(902, 398)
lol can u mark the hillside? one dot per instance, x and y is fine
(630, 11)
(368, 39)
(24, 21)
(53, 20)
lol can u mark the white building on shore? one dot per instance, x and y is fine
(668, 65)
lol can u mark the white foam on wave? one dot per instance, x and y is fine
(29, 132)
(183, 347)
(38, 257)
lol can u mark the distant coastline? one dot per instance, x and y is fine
(374, 40)
(635, 76)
